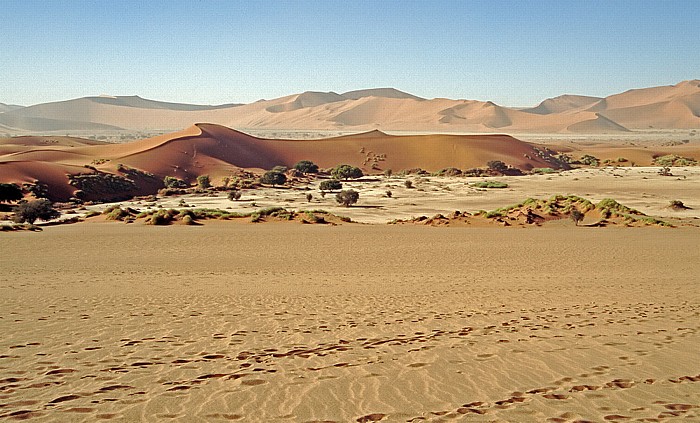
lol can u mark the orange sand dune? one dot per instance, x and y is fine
(219, 151)
(670, 107)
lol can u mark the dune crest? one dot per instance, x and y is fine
(668, 107)
(218, 151)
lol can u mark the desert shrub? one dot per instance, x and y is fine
(37, 188)
(389, 194)
(161, 217)
(116, 213)
(609, 207)
(621, 160)
(234, 195)
(576, 216)
(388, 173)
(449, 171)
(306, 166)
(311, 217)
(309, 197)
(172, 182)
(280, 169)
(330, 185)
(408, 184)
(674, 160)
(203, 182)
(347, 197)
(491, 184)
(497, 166)
(92, 213)
(678, 205)
(543, 170)
(273, 178)
(188, 220)
(30, 211)
(346, 172)
(589, 160)
(665, 171)
(10, 193)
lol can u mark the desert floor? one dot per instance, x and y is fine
(300, 323)
(641, 188)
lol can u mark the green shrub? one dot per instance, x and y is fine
(448, 171)
(674, 160)
(491, 184)
(172, 182)
(543, 170)
(589, 160)
(330, 185)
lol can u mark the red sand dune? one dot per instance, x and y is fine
(219, 151)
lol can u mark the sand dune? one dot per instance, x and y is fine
(562, 103)
(218, 151)
(672, 107)
(8, 107)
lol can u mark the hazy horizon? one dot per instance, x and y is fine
(515, 54)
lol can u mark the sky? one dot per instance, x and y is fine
(514, 53)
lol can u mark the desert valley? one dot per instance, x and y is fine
(366, 256)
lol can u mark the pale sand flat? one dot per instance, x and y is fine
(352, 323)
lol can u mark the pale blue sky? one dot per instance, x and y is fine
(515, 53)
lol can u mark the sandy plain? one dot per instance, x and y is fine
(234, 321)
(289, 322)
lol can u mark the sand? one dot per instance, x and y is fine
(288, 322)
(639, 188)
(665, 107)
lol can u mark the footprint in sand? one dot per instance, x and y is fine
(375, 417)
(253, 382)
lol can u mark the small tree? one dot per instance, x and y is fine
(576, 216)
(347, 197)
(172, 182)
(408, 184)
(273, 178)
(346, 172)
(497, 165)
(389, 194)
(225, 181)
(280, 169)
(309, 197)
(330, 185)
(234, 195)
(30, 211)
(388, 173)
(10, 193)
(306, 166)
(203, 182)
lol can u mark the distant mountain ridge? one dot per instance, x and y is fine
(664, 107)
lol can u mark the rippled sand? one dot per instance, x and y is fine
(287, 322)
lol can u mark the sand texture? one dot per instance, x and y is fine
(297, 323)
